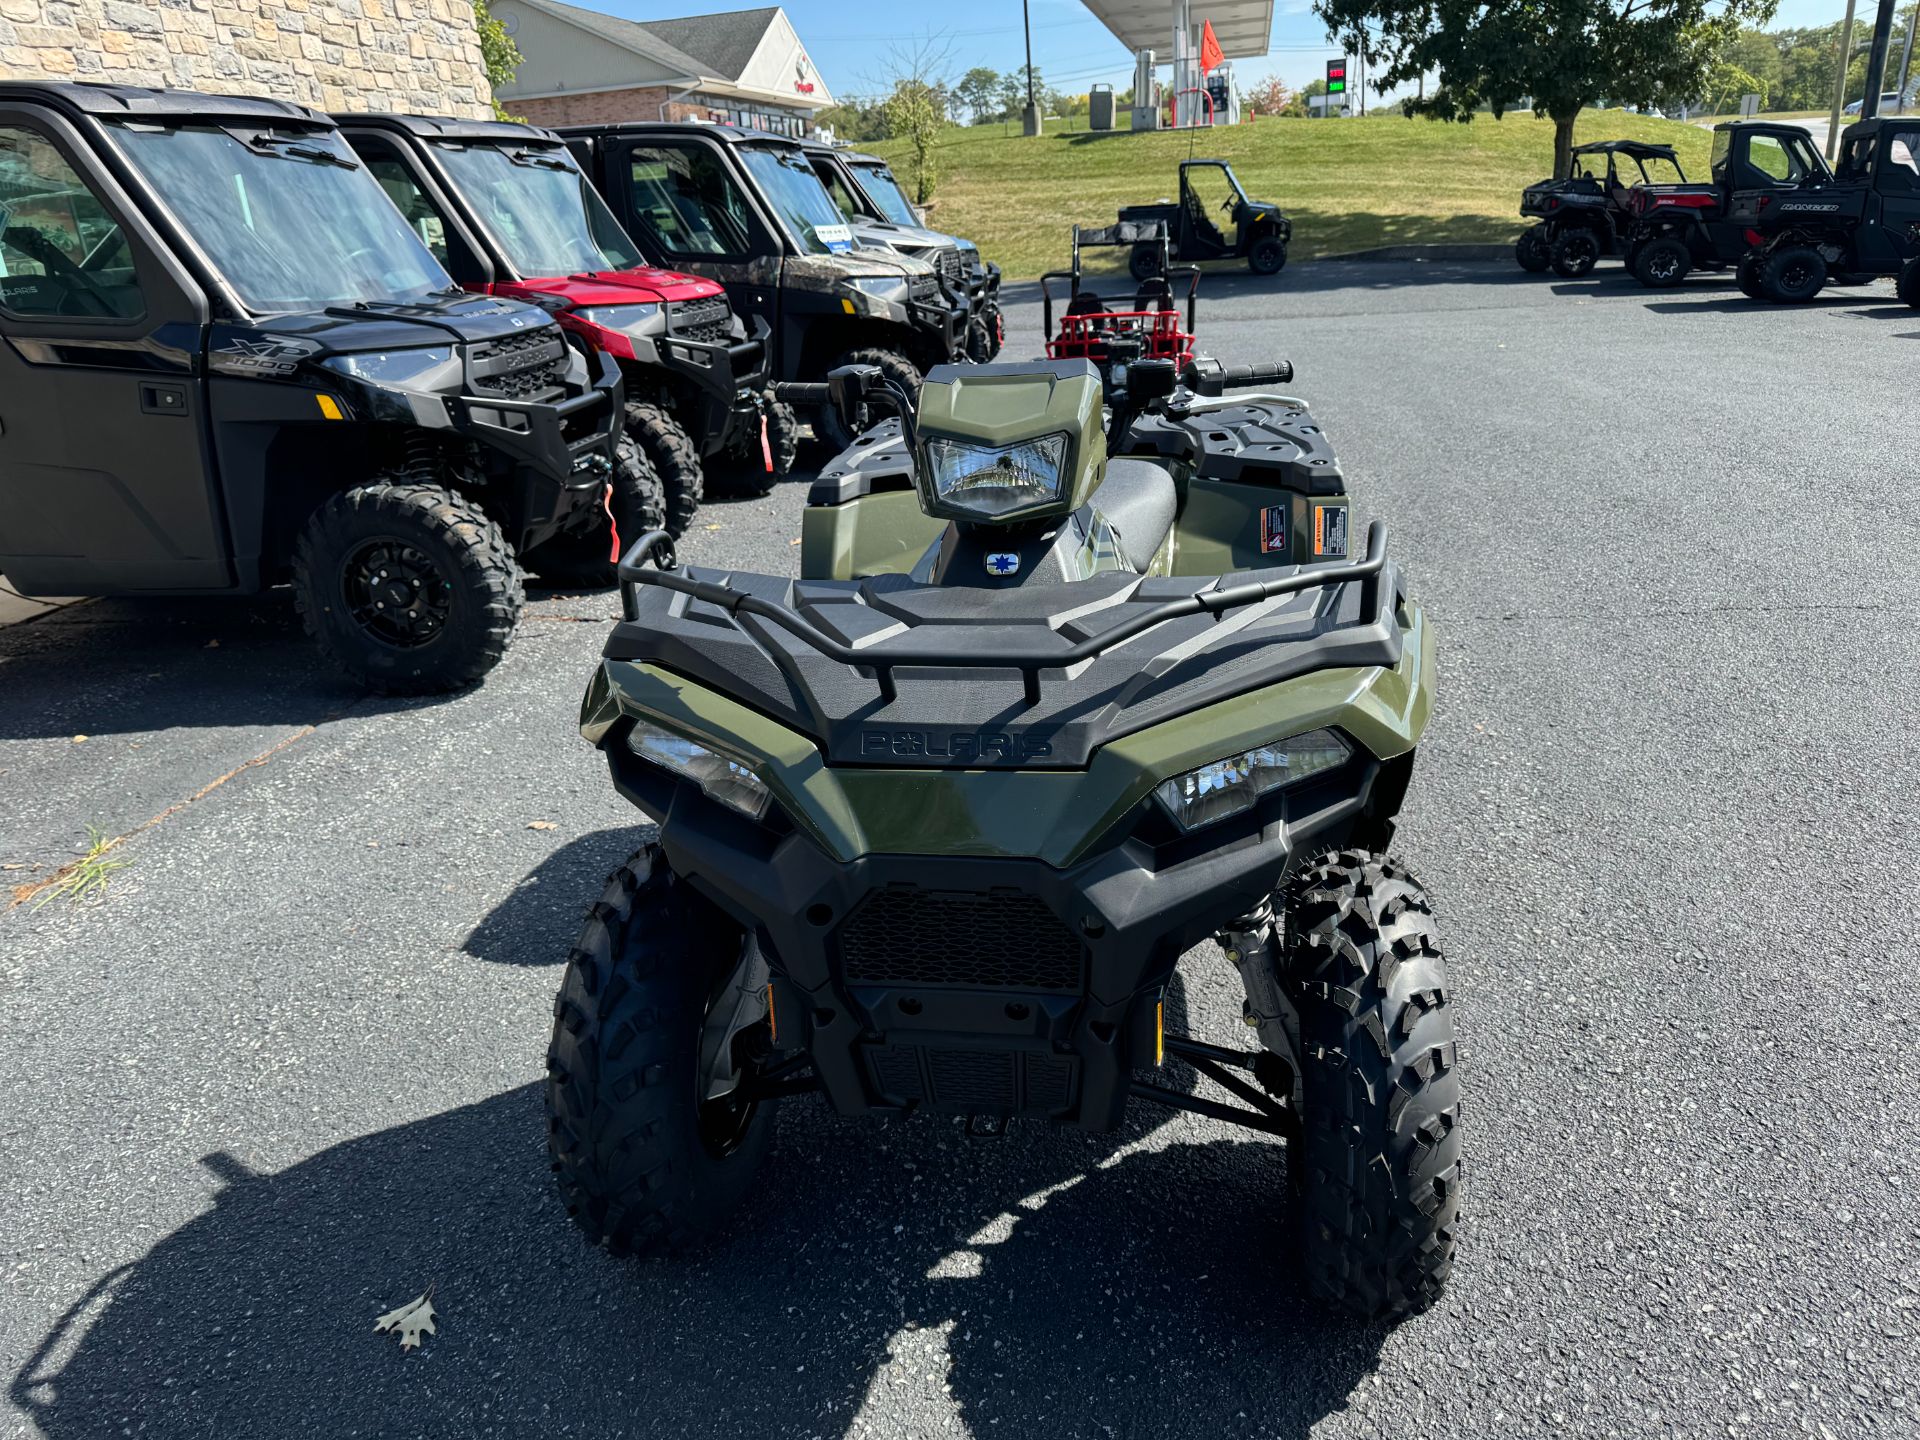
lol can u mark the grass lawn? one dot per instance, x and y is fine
(1347, 185)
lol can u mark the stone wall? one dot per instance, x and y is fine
(414, 55)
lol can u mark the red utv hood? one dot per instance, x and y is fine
(610, 287)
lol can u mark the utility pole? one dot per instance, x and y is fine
(1839, 85)
(1031, 120)
(1906, 60)
(1877, 59)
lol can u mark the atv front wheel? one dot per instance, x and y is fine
(409, 588)
(644, 1161)
(893, 366)
(1907, 286)
(1144, 263)
(1379, 1166)
(1575, 254)
(675, 459)
(1747, 276)
(1662, 263)
(1793, 275)
(585, 558)
(1267, 256)
(1532, 251)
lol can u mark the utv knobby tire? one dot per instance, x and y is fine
(742, 472)
(1575, 254)
(1379, 1165)
(1143, 263)
(1747, 276)
(894, 366)
(1267, 255)
(992, 328)
(481, 593)
(585, 558)
(623, 1131)
(1907, 286)
(1662, 262)
(1793, 275)
(675, 459)
(1532, 252)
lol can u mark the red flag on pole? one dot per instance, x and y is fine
(1211, 55)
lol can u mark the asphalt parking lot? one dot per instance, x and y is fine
(282, 1077)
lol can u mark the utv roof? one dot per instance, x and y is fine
(732, 134)
(449, 127)
(1638, 149)
(134, 102)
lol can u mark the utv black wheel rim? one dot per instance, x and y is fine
(1663, 265)
(396, 594)
(1794, 277)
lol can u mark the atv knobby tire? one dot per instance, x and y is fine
(638, 1167)
(1907, 286)
(1379, 1164)
(1267, 255)
(1575, 254)
(1793, 275)
(894, 366)
(1531, 250)
(987, 334)
(585, 558)
(675, 459)
(1662, 262)
(459, 616)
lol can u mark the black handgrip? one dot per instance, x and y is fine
(797, 393)
(1238, 377)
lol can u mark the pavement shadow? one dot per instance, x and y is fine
(538, 920)
(1076, 1286)
(125, 666)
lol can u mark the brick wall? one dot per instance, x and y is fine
(419, 55)
(602, 107)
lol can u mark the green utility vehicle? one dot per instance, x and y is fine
(937, 823)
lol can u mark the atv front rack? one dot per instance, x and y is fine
(657, 544)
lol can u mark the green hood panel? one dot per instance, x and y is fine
(1050, 815)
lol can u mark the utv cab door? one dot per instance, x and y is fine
(682, 201)
(1896, 191)
(1765, 161)
(105, 480)
(1209, 210)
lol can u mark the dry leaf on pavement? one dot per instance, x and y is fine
(540, 825)
(410, 1319)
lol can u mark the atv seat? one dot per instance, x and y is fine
(1138, 499)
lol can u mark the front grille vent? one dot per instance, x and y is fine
(531, 365)
(992, 940)
(708, 321)
(925, 289)
(973, 1082)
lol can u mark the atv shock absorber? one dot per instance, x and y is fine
(420, 462)
(1253, 944)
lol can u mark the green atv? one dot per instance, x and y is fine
(937, 823)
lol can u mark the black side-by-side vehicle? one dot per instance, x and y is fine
(229, 362)
(1584, 214)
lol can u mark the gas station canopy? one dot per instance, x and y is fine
(1242, 27)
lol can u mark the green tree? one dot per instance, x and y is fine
(979, 93)
(1562, 55)
(1270, 97)
(915, 116)
(1728, 84)
(498, 53)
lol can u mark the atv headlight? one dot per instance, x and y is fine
(414, 369)
(727, 781)
(997, 481)
(889, 289)
(1229, 786)
(628, 319)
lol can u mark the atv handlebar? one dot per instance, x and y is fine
(1210, 377)
(803, 396)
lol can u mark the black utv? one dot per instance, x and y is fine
(1585, 214)
(1678, 229)
(745, 208)
(1862, 223)
(229, 362)
(1213, 220)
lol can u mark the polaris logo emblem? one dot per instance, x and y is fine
(1003, 563)
(987, 747)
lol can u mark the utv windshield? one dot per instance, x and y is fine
(539, 209)
(290, 219)
(885, 192)
(796, 195)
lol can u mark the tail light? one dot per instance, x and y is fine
(1763, 202)
(1553, 202)
(1754, 237)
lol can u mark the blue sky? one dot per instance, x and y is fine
(1070, 48)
